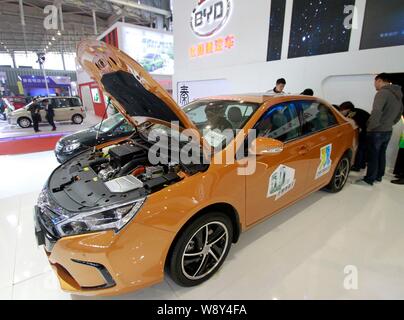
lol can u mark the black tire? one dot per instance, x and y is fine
(181, 267)
(77, 119)
(340, 176)
(24, 122)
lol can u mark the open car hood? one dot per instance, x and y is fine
(132, 90)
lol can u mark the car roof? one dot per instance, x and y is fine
(254, 97)
(60, 97)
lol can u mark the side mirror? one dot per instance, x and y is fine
(266, 146)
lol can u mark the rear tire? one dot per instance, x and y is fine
(340, 176)
(201, 249)
(77, 119)
(24, 122)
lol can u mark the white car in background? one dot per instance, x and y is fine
(66, 109)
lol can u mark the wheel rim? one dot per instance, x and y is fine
(341, 175)
(77, 119)
(24, 123)
(205, 250)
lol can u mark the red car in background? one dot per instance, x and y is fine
(18, 102)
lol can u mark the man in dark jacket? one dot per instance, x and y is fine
(361, 118)
(387, 111)
(50, 113)
(35, 109)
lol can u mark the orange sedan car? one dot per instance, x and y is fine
(115, 218)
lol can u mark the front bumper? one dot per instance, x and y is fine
(108, 263)
(11, 120)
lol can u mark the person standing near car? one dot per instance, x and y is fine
(361, 118)
(50, 113)
(279, 88)
(35, 109)
(387, 111)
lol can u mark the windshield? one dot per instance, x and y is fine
(216, 120)
(110, 123)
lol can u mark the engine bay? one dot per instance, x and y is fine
(114, 174)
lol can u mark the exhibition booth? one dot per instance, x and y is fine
(328, 46)
(186, 159)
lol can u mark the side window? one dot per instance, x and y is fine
(63, 103)
(316, 117)
(75, 102)
(56, 103)
(281, 122)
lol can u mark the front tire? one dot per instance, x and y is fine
(201, 249)
(24, 122)
(340, 176)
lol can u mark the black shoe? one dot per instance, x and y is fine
(399, 181)
(364, 182)
(54, 129)
(379, 180)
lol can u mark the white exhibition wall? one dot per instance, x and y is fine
(335, 77)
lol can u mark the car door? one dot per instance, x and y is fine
(75, 107)
(320, 135)
(279, 179)
(42, 112)
(58, 109)
(62, 111)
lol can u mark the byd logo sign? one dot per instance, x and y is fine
(210, 16)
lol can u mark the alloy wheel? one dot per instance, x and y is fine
(24, 123)
(205, 250)
(341, 174)
(77, 119)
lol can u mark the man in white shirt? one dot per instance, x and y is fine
(279, 88)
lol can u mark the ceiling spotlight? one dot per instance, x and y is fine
(59, 33)
(5, 47)
(53, 39)
(49, 43)
(47, 47)
(2, 42)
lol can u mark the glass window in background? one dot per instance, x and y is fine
(318, 27)
(383, 25)
(276, 25)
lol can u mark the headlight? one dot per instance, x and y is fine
(114, 218)
(72, 147)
